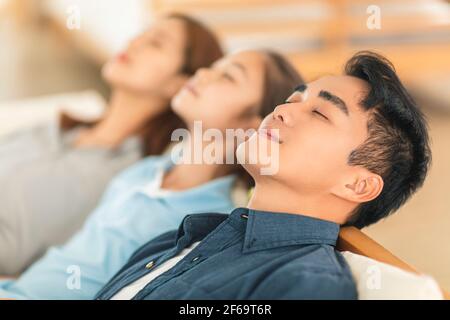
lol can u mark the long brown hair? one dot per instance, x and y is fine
(202, 49)
(280, 79)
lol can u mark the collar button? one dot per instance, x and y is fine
(149, 265)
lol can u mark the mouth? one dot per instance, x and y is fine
(123, 57)
(270, 134)
(191, 88)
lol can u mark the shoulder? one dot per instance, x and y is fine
(320, 274)
(144, 169)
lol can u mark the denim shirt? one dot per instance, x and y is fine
(245, 255)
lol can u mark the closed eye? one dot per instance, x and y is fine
(228, 77)
(315, 111)
(155, 43)
(293, 100)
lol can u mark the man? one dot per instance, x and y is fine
(351, 150)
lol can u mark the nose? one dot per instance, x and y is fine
(133, 45)
(283, 114)
(200, 73)
(202, 76)
(139, 40)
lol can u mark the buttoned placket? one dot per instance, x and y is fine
(240, 228)
(196, 256)
(129, 276)
(185, 264)
(138, 271)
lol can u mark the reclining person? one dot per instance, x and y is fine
(75, 160)
(154, 195)
(351, 150)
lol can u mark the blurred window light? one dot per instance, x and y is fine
(110, 22)
(437, 10)
(3, 3)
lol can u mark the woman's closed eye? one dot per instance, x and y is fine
(296, 97)
(228, 77)
(155, 44)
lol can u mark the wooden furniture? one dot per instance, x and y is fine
(353, 240)
(319, 35)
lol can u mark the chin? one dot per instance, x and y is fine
(255, 160)
(181, 102)
(110, 77)
(243, 156)
(176, 104)
(116, 74)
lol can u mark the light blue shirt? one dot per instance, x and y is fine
(133, 210)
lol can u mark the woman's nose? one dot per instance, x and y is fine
(136, 42)
(283, 114)
(203, 76)
(132, 46)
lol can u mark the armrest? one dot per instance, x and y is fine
(353, 240)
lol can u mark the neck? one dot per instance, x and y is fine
(127, 114)
(186, 176)
(194, 170)
(274, 197)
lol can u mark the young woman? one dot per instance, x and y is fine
(154, 195)
(51, 179)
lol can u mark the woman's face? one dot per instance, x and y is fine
(227, 95)
(152, 62)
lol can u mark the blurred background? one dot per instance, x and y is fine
(42, 53)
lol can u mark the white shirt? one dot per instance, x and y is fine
(128, 292)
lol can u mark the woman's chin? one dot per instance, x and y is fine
(114, 74)
(181, 101)
(110, 77)
(175, 105)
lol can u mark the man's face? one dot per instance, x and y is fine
(316, 130)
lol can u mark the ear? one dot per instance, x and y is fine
(364, 187)
(174, 84)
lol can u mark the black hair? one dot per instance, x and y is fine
(397, 147)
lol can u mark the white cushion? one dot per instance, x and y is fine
(380, 281)
(25, 113)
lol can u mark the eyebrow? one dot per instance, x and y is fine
(160, 33)
(167, 35)
(241, 67)
(335, 100)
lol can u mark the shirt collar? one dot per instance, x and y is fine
(212, 195)
(263, 230)
(266, 230)
(195, 227)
